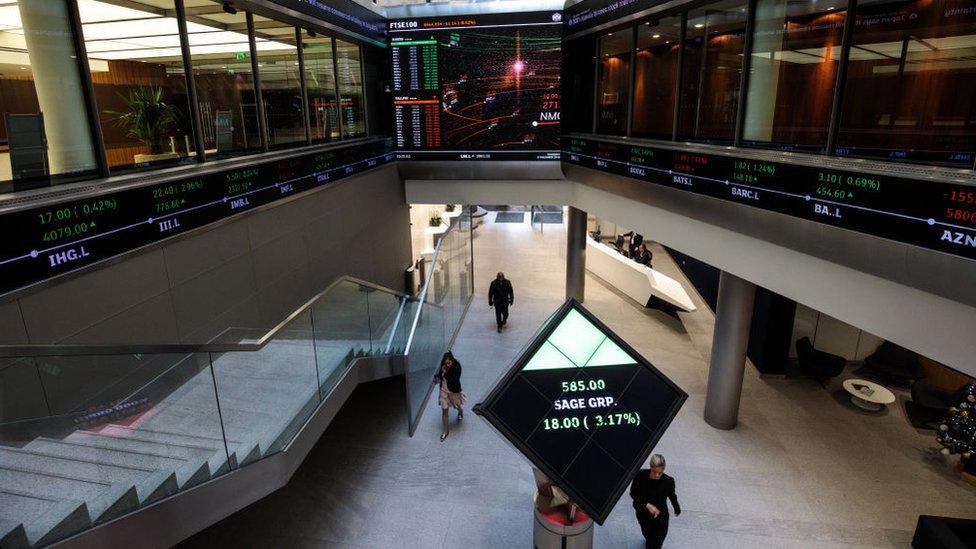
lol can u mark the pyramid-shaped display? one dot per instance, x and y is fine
(584, 407)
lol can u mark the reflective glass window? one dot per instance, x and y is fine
(352, 109)
(655, 77)
(579, 68)
(45, 136)
(795, 55)
(140, 89)
(712, 71)
(281, 86)
(321, 83)
(910, 81)
(376, 70)
(613, 93)
(221, 59)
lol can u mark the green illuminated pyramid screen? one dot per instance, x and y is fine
(584, 408)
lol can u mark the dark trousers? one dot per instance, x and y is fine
(654, 530)
(501, 314)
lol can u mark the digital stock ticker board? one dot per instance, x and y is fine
(477, 87)
(62, 237)
(930, 214)
(583, 407)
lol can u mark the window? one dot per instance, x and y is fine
(45, 135)
(140, 90)
(579, 67)
(613, 92)
(350, 90)
(712, 71)
(795, 54)
(321, 85)
(281, 86)
(221, 60)
(376, 70)
(655, 79)
(909, 85)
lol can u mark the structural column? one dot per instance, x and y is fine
(733, 318)
(575, 254)
(53, 64)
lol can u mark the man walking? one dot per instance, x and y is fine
(500, 296)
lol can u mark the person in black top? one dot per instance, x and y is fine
(449, 378)
(650, 491)
(500, 296)
(643, 255)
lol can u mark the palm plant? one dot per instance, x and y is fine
(148, 116)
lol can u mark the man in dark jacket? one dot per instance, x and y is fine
(500, 296)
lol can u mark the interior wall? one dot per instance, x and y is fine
(249, 272)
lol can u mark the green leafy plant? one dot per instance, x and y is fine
(148, 117)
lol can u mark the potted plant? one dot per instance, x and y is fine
(450, 208)
(435, 218)
(148, 119)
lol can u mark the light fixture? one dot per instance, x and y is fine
(699, 25)
(229, 8)
(656, 36)
(609, 34)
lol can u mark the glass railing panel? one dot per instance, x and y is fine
(445, 294)
(384, 311)
(107, 435)
(267, 395)
(341, 322)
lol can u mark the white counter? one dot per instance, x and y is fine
(633, 279)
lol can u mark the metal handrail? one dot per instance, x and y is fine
(25, 351)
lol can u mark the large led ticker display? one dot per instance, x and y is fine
(584, 407)
(477, 87)
(938, 215)
(58, 238)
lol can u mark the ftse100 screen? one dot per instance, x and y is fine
(477, 87)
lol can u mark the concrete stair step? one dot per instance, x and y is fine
(12, 535)
(105, 500)
(150, 482)
(45, 520)
(216, 457)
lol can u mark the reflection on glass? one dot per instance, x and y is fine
(44, 131)
(712, 71)
(579, 64)
(656, 73)
(221, 60)
(350, 90)
(796, 48)
(281, 86)
(909, 86)
(140, 89)
(320, 81)
(379, 107)
(613, 92)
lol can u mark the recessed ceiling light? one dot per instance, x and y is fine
(656, 36)
(830, 8)
(609, 34)
(23, 68)
(699, 25)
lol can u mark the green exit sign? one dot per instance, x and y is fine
(241, 56)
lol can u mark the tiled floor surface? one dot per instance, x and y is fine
(803, 469)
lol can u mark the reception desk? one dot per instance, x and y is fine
(638, 282)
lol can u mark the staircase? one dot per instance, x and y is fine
(233, 405)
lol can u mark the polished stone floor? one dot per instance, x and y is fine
(803, 468)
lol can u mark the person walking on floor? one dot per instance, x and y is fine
(650, 491)
(500, 296)
(449, 378)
